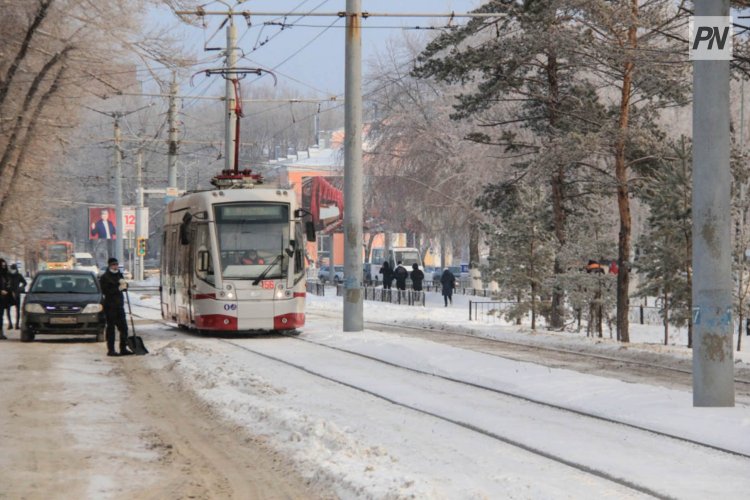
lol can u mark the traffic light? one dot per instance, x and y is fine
(141, 249)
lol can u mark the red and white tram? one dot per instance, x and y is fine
(233, 258)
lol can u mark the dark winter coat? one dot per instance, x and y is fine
(400, 273)
(113, 296)
(6, 298)
(417, 276)
(17, 286)
(387, 273)
(448, 280)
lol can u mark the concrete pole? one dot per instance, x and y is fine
(353, 178)
(713, 367)
(230, 124)
(139, 211)
(172, 117)
(120, 229)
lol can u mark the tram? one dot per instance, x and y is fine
(233, 258)
(50, 254)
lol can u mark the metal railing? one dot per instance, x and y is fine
(392, 295)
(486, 310)
(315, 288)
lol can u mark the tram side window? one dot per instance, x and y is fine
(204, 268)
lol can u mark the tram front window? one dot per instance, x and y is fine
(252, 238)
(57, 253)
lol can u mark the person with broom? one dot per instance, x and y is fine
(113, 285)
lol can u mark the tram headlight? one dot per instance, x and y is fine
(230, 295)
(279, 294)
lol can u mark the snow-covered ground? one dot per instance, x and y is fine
(363, 428)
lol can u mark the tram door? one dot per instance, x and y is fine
(172, 260)
(190, 274)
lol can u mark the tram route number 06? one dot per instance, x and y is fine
(230, 307)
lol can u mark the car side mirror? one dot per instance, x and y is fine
(185, 229)
(310, 231)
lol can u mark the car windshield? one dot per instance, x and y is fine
(85, 261)
(64, 283)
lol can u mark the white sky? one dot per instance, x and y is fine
(318, 69)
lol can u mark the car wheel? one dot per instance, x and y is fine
(26, 335)
(101, 335)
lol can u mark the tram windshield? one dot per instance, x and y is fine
(57, 253)
(252, 239)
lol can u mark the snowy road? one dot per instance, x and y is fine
(243, 417)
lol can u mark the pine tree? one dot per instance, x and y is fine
(665, 262)
(522, 245)
(529, 99)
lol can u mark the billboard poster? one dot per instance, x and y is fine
(324, 199)
(102, 223)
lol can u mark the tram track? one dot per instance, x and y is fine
(507, 438)
(446, 336)
(443, 335)
(513, 395)
(504, 438)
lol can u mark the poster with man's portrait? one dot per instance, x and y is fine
(102, 223)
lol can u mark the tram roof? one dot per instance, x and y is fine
(200, 199)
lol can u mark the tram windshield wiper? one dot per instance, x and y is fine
(267, 269)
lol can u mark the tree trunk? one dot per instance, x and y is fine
(26, 145)
(474, 274)
(666, 315)
(368, 246)
(621, 174)
(7, 80)
(557, 314)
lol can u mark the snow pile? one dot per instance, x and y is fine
(326, 454)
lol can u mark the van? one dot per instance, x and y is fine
(85, 262)
(406, 255)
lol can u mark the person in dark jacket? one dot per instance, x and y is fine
(113, 285)
(400, 274)
(387, 273)
(417, 276)
(17, 287)
(448, 280)
(5, 294)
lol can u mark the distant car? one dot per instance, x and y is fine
(63, 302)
(324, 275)
(85, 262)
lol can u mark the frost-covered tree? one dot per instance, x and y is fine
(522, 246)
(665, 263)
(530, 98)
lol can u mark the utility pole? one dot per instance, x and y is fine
(230, 122)
(120, 225)
(353, 178)
(172, 117)
(713, 367)
(139, 211)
